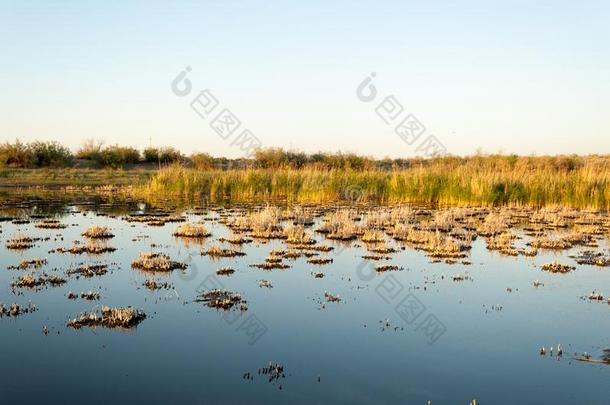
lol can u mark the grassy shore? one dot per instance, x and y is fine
(72, 177)
(484, 181)
(579, 182)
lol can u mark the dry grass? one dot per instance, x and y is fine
(15, 310)
(20, 242)
(373, 236)
(225, 271)
(156, 262)
(386, 267)
(89, 296)
(298, 235)
(222, 299)
(91, 247)
(556, 267)
(110, 318)
(479, 180)
(27, 264)
(218, 252)
(31, 281)
(98, 232)
(189, 230)
(89, 270)
(50, 224)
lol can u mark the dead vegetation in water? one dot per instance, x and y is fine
(556, 267)
(387, 267)
(155, 219)
(586, 358)
(596, 296)
(263, 224)
(225, 271)
(340, 225)
(376, 257)
(88, 296)
(189, 230)
(592, 258)
(265, 284)
(271, 266)
(88, 270)
(154, 285)
(219, 252)
(503, 243)
(331, 297)
(126, 318)
(156, 262)
(50, 224)
(32, 281)
(320, 261)
(29, 264)
(98, 232)
(297, 235)
(236, 240)
(15, 310)
(21, 242)
(373, 236)
(91, 247)
(222, 299)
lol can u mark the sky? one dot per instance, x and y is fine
(525, 77)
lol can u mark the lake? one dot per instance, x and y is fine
(445, 328)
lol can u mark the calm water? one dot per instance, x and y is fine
(459, 340)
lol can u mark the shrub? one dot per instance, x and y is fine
(170, 155)
(91, 149)
(118, 156)
(162, 155)
(15, 155)
(202, 161)
(52, 154)
(35, 154)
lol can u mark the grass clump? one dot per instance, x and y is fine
(20, 242)
(98, 232)
(298, 235)
(156, 262)
(556, 267)
(91, 248)
(50, 224)
(110, 318)
(218, 252)
(189, 230)
(222, 299)
(27, 264)
(15, 310)
(89, 270)
(31, 281)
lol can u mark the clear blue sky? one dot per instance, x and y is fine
(512, 76)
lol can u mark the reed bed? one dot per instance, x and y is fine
(489, 181)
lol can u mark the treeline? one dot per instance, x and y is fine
(52, 154)
(96, 154)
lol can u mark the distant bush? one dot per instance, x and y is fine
(15, 155)
(280, 158)
(35, 154)
(50, 154)
(202, 161)
(91, 149)
(162, 155)
(118, 156)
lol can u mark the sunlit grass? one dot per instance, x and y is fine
(481, 181)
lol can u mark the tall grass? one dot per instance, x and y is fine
(493, 180)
